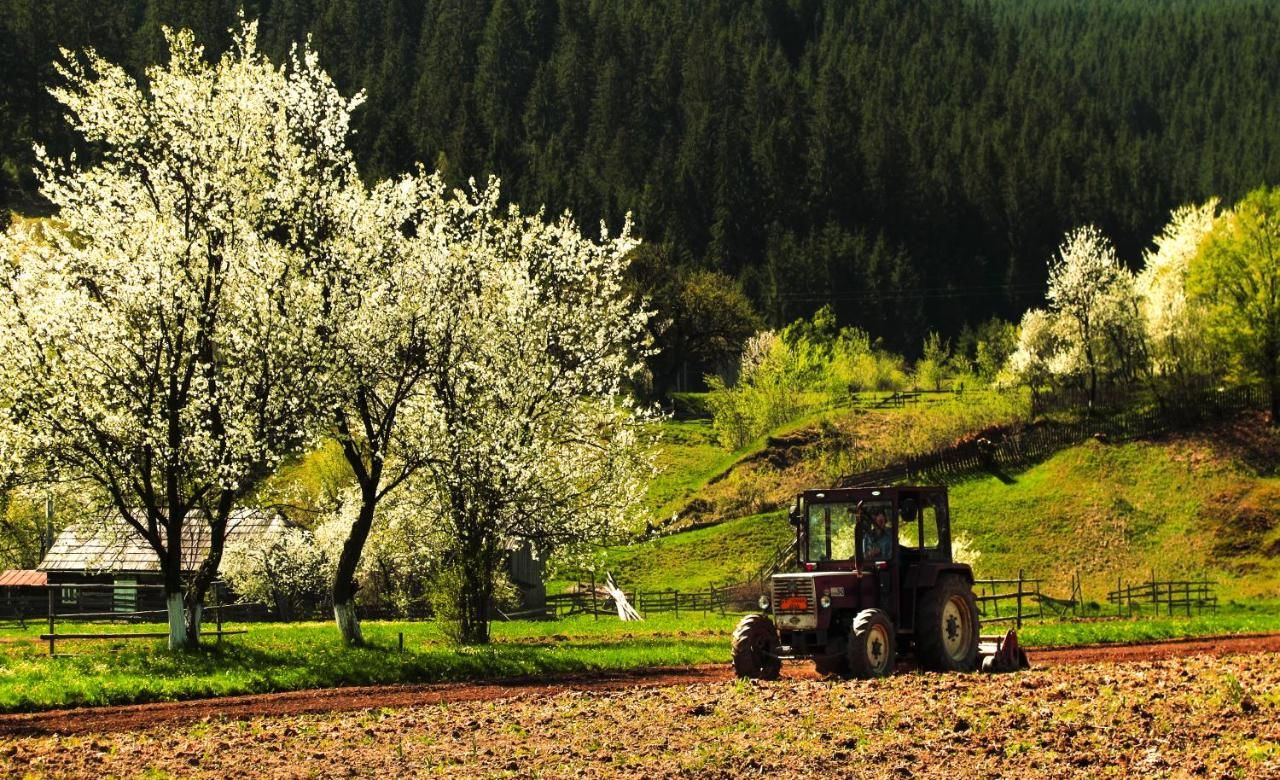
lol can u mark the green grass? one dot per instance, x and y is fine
(309, 655)
(1254, 618)
(688, 458)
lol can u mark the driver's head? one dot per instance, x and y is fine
(880, 518)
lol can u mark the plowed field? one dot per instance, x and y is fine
(1176, 713)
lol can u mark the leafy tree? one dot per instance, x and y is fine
(161, 337)
(1236, 275)
(931, 368)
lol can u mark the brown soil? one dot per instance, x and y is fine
(1177, 717)
(143, 716)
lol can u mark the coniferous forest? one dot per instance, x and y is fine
(913, 164)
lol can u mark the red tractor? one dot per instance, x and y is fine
(877, 582)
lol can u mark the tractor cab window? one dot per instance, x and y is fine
(919, 526)
(843, 532)
(832, 532)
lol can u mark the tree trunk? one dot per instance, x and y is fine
(344, 614)
(195, 612)
(344, 579)
(1275, 399)
(177, 620)
(175, 604)
(473, 600)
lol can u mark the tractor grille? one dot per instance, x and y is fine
(794, 596)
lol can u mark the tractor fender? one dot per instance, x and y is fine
(926, 576)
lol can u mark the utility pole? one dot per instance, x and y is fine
(46, 538)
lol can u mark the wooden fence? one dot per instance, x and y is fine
(215, 611)
(1169, 595)
(1008, 601)
(999, 600)
(596, 602)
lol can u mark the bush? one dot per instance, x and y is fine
(809, 366)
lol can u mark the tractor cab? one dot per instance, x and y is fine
(839, 530)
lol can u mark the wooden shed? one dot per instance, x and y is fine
(107, 551)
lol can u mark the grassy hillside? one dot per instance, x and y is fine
(1200, 503)
(1203, 503)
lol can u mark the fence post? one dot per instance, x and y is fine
(677, 603)
(1019, 618)
(595, 610)
(217, 611)
(50, 587)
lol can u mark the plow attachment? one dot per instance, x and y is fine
(1002, 654)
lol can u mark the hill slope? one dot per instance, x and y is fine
(1199, 503)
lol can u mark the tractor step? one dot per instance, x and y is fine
(1001, 653)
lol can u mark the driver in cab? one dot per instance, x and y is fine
(877, 543)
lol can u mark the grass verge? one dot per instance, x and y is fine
(308, 655)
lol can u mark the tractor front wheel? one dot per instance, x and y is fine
(947, 636)
(871, 645)
(755, 648)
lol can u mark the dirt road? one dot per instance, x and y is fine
(142, 716)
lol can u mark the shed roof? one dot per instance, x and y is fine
(107, 543)
(23, 578)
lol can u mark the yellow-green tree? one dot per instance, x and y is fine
(1236, 275)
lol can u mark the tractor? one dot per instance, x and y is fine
(876, 582)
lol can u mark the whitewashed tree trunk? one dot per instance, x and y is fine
(177, 621)
(345, 616)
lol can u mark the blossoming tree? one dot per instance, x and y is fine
(163, 339)
(532, 440)
(1178, 348)
(386, 310)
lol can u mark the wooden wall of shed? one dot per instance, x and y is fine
(22, 602)
(74, 600)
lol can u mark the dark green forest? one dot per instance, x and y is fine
(912, 163)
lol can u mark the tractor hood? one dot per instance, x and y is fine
(794, 597)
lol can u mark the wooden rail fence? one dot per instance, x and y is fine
(130, 617)
(1008, 600)
(1169, 595)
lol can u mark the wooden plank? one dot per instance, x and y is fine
(138, 635)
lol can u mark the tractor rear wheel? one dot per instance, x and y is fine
(755, 648)
(947, 633)
(871, 645)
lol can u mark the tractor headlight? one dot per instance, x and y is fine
(763, 602)
(825, 601)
